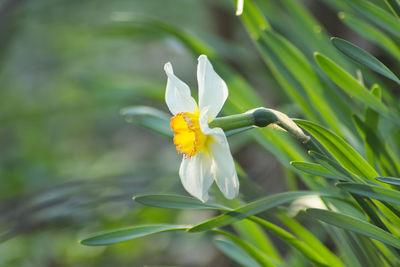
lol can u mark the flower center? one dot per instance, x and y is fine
(188, 137)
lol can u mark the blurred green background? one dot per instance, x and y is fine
(70, 163)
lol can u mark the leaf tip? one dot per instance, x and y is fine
(317, 55)
(83, 242)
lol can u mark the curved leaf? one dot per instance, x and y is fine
(332, 165)
(343, 152)
(309, 239)
(177, 202)
(371, 33)
(315, 169)
(349, 84)
(250, 209)
(363, 57)
(293, 241)
(128, 233)
(394, 6)
(356, 225)
(372, 191)
(377, 15)
(254, 252)
(148, 117)
(235, 252)
(389, 180)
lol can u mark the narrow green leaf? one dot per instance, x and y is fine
(128, 233)
(349, 84)
(363, 57)
(309, 239)
(378, 15)
(370, 211)
(375, 148)
(250, 209)
(289, 83)
(176, 202)
(293, 241)
(343, 152)
(391, 215)
(249, 229)
(148, 117)
(332, 165)
(372, 191)
(315, 169)
(255, 253)
(371, 116)
(353, 224)
(394, 7)
(298, 65)
(371, 33)
(286, 80)
(389, 180)
(255, 235)
(255, 19)
(235, 252)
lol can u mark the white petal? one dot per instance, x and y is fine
(239, 9)
(196, 177)
(177, 94)
(223, 166)
(212, 89)
(203, 121)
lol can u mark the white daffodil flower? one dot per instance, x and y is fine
(206, 153)
(239, 8)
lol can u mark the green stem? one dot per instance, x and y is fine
(259, 117)
(233, 122)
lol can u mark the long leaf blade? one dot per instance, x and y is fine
(176, 202)
(363, 57)
(372, 191)
(377, 15)
(148, 117)
(235, 252)
(389, 180)
(128, 233)
(343, 152)
(314, 169)
(356, 225)
(250, 209)
(349, 84)
(255, 253)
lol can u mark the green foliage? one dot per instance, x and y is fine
(84, 128)
(249, 209)
(340, 150)
(128, 233)
(372, 191)
(355, 225)
(363, 57)
(235, 252)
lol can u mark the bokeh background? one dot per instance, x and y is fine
(70, 163)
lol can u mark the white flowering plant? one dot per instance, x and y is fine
(342, 158)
